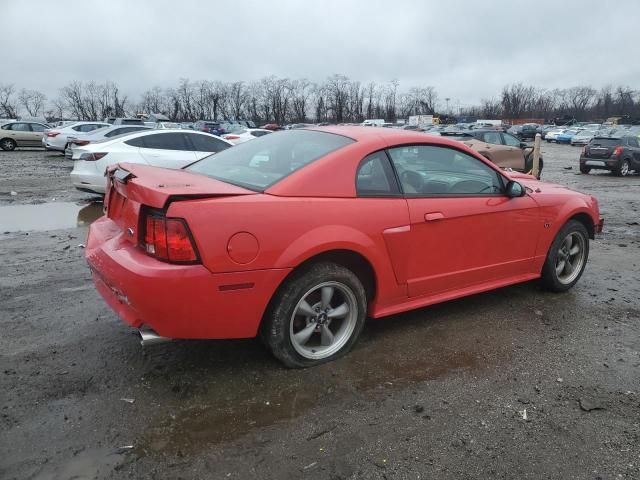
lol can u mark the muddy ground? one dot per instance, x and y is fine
(517, 383)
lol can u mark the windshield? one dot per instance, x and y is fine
(264, 161)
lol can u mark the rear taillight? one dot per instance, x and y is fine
(92, 157)
(53, 134)
(81, 142)
(169, 239)
(231, 137)
(205, 129)
(618, 150)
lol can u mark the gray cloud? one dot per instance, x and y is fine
(466, 49)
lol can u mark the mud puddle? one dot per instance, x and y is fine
(238, 403)
(86, 464)
(48, 216)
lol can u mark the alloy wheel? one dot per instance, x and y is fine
(570, 258)
(624, 168)
(323, 320)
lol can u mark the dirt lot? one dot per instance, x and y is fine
(516, 384)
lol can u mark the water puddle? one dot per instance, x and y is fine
(87, 464)
(230, 403)
(48, 216)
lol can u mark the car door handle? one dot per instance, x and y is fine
(430, 217)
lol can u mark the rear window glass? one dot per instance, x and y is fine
(266, 160)
(606, 142)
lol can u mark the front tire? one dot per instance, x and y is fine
(567, 257)
(584, 169)
(8, 145)
(316, 316)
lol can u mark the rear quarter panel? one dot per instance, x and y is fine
(291, 230)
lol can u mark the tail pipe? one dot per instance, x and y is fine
(148, 337)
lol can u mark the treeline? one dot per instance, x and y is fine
(338, 99)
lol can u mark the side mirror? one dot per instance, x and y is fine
(524, 144)
(514, 189)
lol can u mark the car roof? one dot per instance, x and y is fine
(388, 136)
(145, 132)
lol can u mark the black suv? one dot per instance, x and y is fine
(621, 155)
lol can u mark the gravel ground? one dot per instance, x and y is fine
(517, 383)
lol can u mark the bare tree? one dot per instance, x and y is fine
(579, 99)
(490, 108)
(32, 101)
(516, 100)
(8, 103)
(300, 93)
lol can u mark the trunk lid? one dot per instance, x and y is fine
(132, 188)
(602, 147)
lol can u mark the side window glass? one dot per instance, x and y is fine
(492, 137)
(207, 143)
(20, 127)
(426, 170)
(166, 141)
(510, 140)
(375, 177)
(137, 142)
(36, 127)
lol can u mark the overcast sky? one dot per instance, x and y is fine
(466, 49)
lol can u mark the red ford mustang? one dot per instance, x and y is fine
(300, 235)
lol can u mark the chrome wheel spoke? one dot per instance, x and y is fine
(305, 309)
(303, 336)
(327, 295)
(574, 250)
(326, 336)
(568, 267)
(567, 243)
(338, 312)
(560, 267)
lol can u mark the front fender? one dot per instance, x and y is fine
(555, 217)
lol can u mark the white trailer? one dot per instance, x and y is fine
(495, 123)
(421, 120)
(375, 122)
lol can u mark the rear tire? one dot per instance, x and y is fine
(567, 257)
(8, 144)
(315, 316)
(584, 169)
(528, 165)
(623, 169)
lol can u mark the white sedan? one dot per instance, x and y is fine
(160, 148)
(245, 134)
(57, 138)
(552, 135)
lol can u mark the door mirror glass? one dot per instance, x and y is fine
(514, 189)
